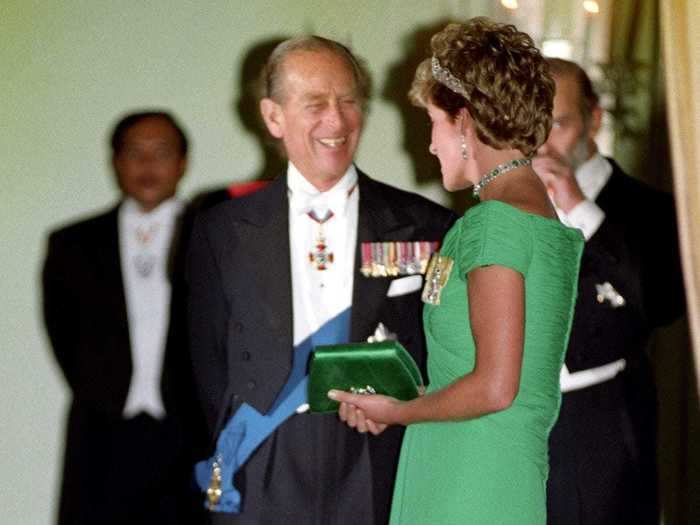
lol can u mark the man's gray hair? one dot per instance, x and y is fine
(271, 79)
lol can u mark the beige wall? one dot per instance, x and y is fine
(67, 70)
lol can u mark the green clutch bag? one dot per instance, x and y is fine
(383, 368)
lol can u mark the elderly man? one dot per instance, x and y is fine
(113, 313)
(284, 267)
(603, 447)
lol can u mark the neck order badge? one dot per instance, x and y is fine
(320, 257)
(145, 260)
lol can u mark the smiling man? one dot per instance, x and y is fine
(273, 273)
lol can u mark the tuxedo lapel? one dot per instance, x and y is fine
(611, 196)
(108, 256)
(605, 244)
(604, 200)
(378, 220)
(267, 235)
(106, 244)
(275, 282)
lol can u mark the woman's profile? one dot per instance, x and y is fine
(499, 295)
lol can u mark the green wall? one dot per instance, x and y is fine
(68, 69)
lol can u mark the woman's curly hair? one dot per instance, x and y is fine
(509, 91)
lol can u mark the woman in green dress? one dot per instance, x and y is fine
(499, 297)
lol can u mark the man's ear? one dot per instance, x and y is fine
(183, 167)
(596, 122)
(273, 117)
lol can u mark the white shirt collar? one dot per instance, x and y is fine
(304, 196)
(166, 211)
(592, 175)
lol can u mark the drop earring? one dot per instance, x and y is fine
(465, 152)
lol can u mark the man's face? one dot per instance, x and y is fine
(150, 163)
(318, 117)
(572, 133)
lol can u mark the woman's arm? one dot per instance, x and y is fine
(497, 315)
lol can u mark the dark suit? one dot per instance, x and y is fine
(242, 341)
(603, 447)
(116, 470)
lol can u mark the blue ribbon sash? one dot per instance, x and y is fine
(247, 429)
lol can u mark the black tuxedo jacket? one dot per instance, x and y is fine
(241, 302)
(602, 448)
(86, 320)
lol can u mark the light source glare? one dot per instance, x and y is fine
(591, 6)
(557, 48)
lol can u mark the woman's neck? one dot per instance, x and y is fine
(494, 169)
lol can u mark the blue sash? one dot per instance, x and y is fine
(248, 429)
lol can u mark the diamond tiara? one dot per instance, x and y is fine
(446, 78)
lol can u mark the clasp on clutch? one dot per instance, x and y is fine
(363, 391)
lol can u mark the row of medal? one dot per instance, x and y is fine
(392, 258)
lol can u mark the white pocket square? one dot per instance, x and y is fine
(404, 285)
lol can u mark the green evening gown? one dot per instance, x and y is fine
(492, 470)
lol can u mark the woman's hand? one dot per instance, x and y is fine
(366, 413)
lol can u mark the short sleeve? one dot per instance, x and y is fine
(494, 233)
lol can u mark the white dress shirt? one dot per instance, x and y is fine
(320, 295)
(144, 243)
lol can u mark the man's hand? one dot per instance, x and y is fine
(558, 175)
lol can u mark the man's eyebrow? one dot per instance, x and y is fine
(313, 96)
(320, 97)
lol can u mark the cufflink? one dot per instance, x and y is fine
(606, 292)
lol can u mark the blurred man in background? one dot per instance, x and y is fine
(603, 446)
(113, 311)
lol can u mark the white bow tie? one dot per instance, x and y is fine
(320, 203)
(302, 203)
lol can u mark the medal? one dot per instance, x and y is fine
(439, 270)
(214, 491)
(144, 263)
